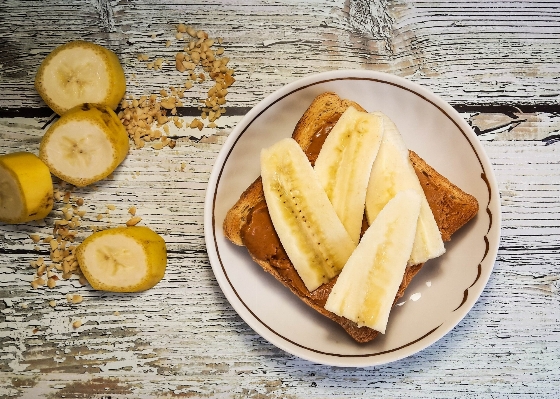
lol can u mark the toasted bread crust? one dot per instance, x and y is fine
(237, 215)
(323, 108)
(451, 206)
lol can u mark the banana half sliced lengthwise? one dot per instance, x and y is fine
(391, 173)
(365, 289)
(344, 165)
(309, 229)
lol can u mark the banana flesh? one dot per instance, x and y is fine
(26, 189)
(391, 173)
(123, 259)
(308, 227)
(344, 165)
(85, 145)
(365, 289)
(80, 72)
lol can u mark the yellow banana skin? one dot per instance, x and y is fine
(26, 189)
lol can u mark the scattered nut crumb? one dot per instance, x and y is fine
(139, 116)
(51, 283)
(77, 324)
(52, 303)
(35, 238)
(133, 221)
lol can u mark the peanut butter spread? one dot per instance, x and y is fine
(262, 242)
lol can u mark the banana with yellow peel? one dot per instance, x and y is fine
(26, 189)
(80, 72)
(123, 259)
(85, 145)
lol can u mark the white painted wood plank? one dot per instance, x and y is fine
(474, 52)
(183, 336)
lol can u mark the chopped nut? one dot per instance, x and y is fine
(76, 298)
(77, 324)
(52, 304)
(35, 238)
(54, 245)
(133, 221)
(190, 31)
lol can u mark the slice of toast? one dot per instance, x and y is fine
(451, 206)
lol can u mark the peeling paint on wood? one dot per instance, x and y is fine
(496, 62)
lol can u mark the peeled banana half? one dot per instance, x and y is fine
(80, 72)
(85, 145)
(26, 189)
(308, 227)
(391, 173)
(344, 165)
(123, 259)
(365, 289)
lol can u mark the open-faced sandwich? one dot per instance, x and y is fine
(344, 215)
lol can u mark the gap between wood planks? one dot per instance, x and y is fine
(44, 112)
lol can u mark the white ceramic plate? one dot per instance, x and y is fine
(438, 297)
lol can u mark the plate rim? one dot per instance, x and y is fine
(492, 242)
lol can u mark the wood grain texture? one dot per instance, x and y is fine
(467, 52)
(183, 338)
(497, 62)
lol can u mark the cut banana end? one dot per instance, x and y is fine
(344, 165)
(80, 72)
(366, 288)
(391, 173)
(85, 145)
(309, 229)
(26, 189)
(123, 259)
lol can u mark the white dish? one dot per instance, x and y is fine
(438, 297)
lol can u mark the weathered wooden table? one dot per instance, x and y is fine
(497, 63)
